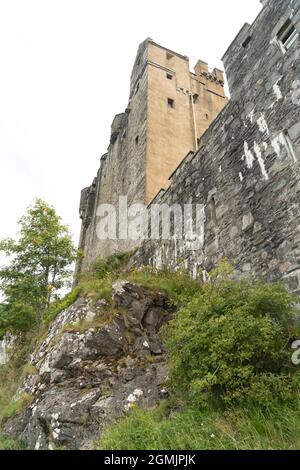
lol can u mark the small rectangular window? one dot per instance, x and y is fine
(169, 76)
(246, 42)
(195, 97)
(137, 140)
(170, 103)
(287, 35)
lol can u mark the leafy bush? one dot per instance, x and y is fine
(230, 345)
(16, 317)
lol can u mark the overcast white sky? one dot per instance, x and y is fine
(64, 73)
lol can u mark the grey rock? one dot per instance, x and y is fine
(90, 378)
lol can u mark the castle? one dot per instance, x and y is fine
(180, 140)
(168, 111)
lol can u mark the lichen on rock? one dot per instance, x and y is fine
(88, 378)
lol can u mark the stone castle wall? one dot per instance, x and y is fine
(247, 170)
(246, 173)
(125, 157)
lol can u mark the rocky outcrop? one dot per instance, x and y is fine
(96, 362)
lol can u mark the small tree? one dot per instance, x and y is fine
(39, 264)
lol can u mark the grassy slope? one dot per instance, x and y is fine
(192, 429)
(172, 425)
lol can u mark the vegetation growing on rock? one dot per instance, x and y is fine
(231, 383)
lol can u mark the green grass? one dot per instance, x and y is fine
(61, 305)
(191, 426)
(178, 286)
(183, 424)
(9, 444)
(191, 429)
(96, 283)
(10, 381)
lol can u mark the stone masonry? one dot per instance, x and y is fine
(246, 171)
(169, 109)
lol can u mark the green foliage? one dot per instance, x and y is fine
(9, 444)
(96, 289)
(96, 282)
(230, 345)
(112, 264)
(189, 428)
(16, 317)
(230, 360)
(17, 405)
(11, 376)
(39, 266)
(177, 285)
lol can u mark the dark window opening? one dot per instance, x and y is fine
(137, 88)
(113, 137)
(137, 140)
(246, 43)
(287, 35)
(213, 212)
(169, 76)
(195, 98)
(170, 103)
(169, 56)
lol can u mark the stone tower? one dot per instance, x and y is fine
(180, 107)
(169, 109)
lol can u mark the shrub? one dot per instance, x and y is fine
(230, 345)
